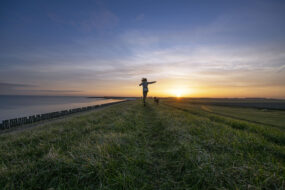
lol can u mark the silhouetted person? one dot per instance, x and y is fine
(145, 84)
(156, 100)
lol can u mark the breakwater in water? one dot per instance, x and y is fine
(10, 123)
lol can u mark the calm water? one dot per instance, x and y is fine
(21, 106)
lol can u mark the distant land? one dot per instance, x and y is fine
(115, 97)
(259, 103)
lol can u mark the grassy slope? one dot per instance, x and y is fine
(127, 146)
(267, 117)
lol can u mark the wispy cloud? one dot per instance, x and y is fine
(4, 85)
(55, 91)
(14, 88)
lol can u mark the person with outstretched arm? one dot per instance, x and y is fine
(145, 84)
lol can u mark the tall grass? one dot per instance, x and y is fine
(128, 146)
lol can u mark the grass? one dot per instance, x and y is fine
(261, 116)
(175, 145)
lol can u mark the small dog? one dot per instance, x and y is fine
(156, 100)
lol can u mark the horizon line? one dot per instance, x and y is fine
(107, 96)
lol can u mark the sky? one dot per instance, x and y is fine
(197, 48)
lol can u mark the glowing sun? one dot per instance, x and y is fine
(178, 92)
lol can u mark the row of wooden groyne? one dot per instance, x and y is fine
(10, 123)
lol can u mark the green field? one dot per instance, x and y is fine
(175, 145)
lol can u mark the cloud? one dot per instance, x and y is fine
(11, 88)
(4, 85)
(205, 65)
(281, 68)
(15, 88)
(56, 91)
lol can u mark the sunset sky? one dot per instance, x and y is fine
(191, 48)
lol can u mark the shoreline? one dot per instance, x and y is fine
(115, 97)
(8, 124)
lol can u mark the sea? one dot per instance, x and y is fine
(22, 106)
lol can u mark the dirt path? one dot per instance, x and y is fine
(161, 144)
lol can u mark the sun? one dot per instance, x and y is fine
(178, 95)
(178, 92)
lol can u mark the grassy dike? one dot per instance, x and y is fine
(128, 146)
